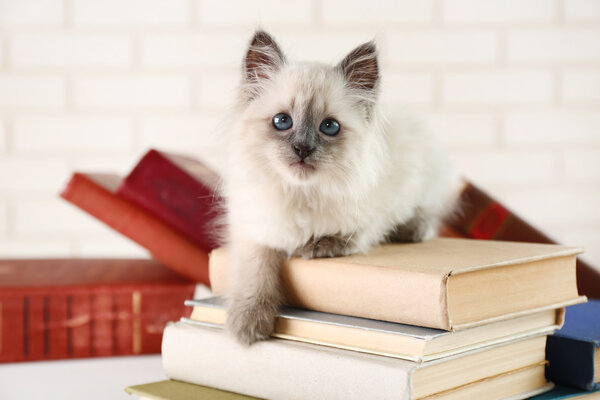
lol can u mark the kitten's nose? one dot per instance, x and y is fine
(302, 150)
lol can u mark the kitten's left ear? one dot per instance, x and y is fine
(360, 67)
(262, 58)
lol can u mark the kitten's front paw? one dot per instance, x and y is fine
(251, 321)
(327, 246)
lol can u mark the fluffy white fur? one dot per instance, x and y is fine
(381, 172)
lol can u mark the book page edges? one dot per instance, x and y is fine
(577, 300)
(419, 359)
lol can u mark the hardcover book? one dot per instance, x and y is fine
(444, 283)
(385, 338)
(278, 369)
(574, 351)
(71, 308)
(479, 216)
(96, 194)
(178, 190)
(565, 392)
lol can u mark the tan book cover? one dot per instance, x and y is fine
(444, 283)
(390, 339)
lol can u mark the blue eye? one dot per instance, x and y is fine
(330, 127)
(282, 122)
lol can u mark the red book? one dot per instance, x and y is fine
(179, 191)
(101, 324)
(96, 194)
(71, 308)
(480, 216)
(80, 330)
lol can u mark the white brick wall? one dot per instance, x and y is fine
(510, 87)
(2, 137)
(581, 85)
(31, 12)
(70, 50)
(40, 135)
(502, 11)
(582, 10)
(357, 12)
(132, 92)
(248, 13)
(19, 91)
(119, 13)
(551, 45)
(440, 47)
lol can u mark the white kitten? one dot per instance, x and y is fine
(316, 170)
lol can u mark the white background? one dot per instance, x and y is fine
(511, 87)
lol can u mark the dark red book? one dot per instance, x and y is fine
(72, 308)
(480, 216)
(178, 190)
(96, 194)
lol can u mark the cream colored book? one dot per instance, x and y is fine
(386, 338)
(284, 369)
(444, 283)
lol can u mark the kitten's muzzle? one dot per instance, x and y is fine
(303, 150)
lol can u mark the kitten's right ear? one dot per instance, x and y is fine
(262, 58)
(360, 67)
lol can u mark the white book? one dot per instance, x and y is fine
(283, 369)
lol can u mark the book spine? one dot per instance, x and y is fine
(102, 324)
(571, 362)
(56, 321)
(88, 322)
(288, 369)
(480, 216)
(36, 318)
(166, 245)
(152, 322)
(80, 332)
(123, 323)
(13, 340)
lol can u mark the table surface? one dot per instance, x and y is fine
(92, 378)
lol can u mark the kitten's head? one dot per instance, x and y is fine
(307, 121)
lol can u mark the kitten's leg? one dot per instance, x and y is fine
(327, 246)
(257, 295)
(420, 227)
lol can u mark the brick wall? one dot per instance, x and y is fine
(511, 87)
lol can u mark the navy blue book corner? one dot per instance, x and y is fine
(573, 351)
(564, 392)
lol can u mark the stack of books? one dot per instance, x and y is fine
(444, 319)
(451, 318)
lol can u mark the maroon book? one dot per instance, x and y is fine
(179, 191)
(72, 308)
(479, 216)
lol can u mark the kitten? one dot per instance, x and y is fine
(316, 170)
